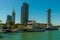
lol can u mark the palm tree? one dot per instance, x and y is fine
(10, 22)
(0, 21)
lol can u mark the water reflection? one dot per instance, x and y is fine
(32, 36)
(10, 36)
(1, 37)
(47, 35)
(53, 35)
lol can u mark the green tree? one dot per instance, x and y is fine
(0, 21)
(10, 22)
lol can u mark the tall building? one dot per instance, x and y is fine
(24, 13)
(8, 19)
(49, 17)
(13, 16)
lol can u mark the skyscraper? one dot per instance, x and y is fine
(24, 13)
(8, 19)
(13, 16)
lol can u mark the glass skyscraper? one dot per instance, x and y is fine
(8, 19)
(13, 16)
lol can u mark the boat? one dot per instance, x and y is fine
(51, 28)
(16, 31)
(13, 31)
(1, 31)
(34, 30)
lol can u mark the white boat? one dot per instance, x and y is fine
(51, 28)
(34, 30)
(1, 31)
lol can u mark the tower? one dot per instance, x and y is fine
(13, 16)
(24, 13)
(49, 17)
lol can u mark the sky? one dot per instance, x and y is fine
(37, 10)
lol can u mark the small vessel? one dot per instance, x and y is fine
(51, 28)
(1, 31)
(34, 30)
(16, 31)
(7, 29)
(12, 31)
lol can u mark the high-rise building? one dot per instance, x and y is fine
(24, 13)
(8, 19)
(13, 16)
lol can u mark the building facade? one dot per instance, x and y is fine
(24, 13)
(8, 19)
(13, 16)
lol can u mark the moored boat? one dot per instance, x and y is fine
(13, 31)
(51, 28)
(34, 30)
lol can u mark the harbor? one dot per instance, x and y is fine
(26, 24)
(29, 19)
(29, 28)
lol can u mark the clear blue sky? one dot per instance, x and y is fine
(37, 10)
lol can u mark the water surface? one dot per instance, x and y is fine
(47, 35)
